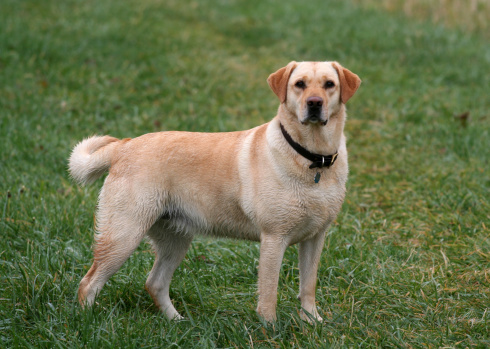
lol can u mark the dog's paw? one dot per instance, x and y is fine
(267, 315)
(177, 317)
(312, 317)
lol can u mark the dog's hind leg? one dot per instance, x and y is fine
(170, 248)
(110, 252)
(121, 229)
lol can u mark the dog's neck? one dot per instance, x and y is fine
(316, 138)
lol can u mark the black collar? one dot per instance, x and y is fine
(317, 159)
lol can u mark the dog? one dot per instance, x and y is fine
(280, 183)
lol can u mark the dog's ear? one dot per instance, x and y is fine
(278, 81)
(349, 82)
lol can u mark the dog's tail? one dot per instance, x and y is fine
(91, 158)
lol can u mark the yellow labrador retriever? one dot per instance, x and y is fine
(281, 183)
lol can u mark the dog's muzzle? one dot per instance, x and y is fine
(314, 111)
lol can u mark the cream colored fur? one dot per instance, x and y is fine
(250, 184)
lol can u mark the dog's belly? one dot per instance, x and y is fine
(229, 223)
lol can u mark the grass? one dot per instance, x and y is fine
(407, 264)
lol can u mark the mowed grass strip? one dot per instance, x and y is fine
(473, 15)
(407, 263)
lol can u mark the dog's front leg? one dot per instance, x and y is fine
(271, 253)
(309, 257)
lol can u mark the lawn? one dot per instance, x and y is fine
(407, 263)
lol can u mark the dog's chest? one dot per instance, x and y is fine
(320, 204)
(300, 211)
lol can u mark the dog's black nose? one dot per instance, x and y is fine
(314, 101)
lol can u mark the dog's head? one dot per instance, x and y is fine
(314, 91)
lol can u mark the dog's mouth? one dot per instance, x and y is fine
(315, 118)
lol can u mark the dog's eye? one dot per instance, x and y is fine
(300, 84)
(329, 84)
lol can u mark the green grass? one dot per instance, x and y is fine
(407, 264)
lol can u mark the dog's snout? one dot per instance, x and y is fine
(314, 101)
(314, 110)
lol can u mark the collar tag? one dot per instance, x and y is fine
(317, 177)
